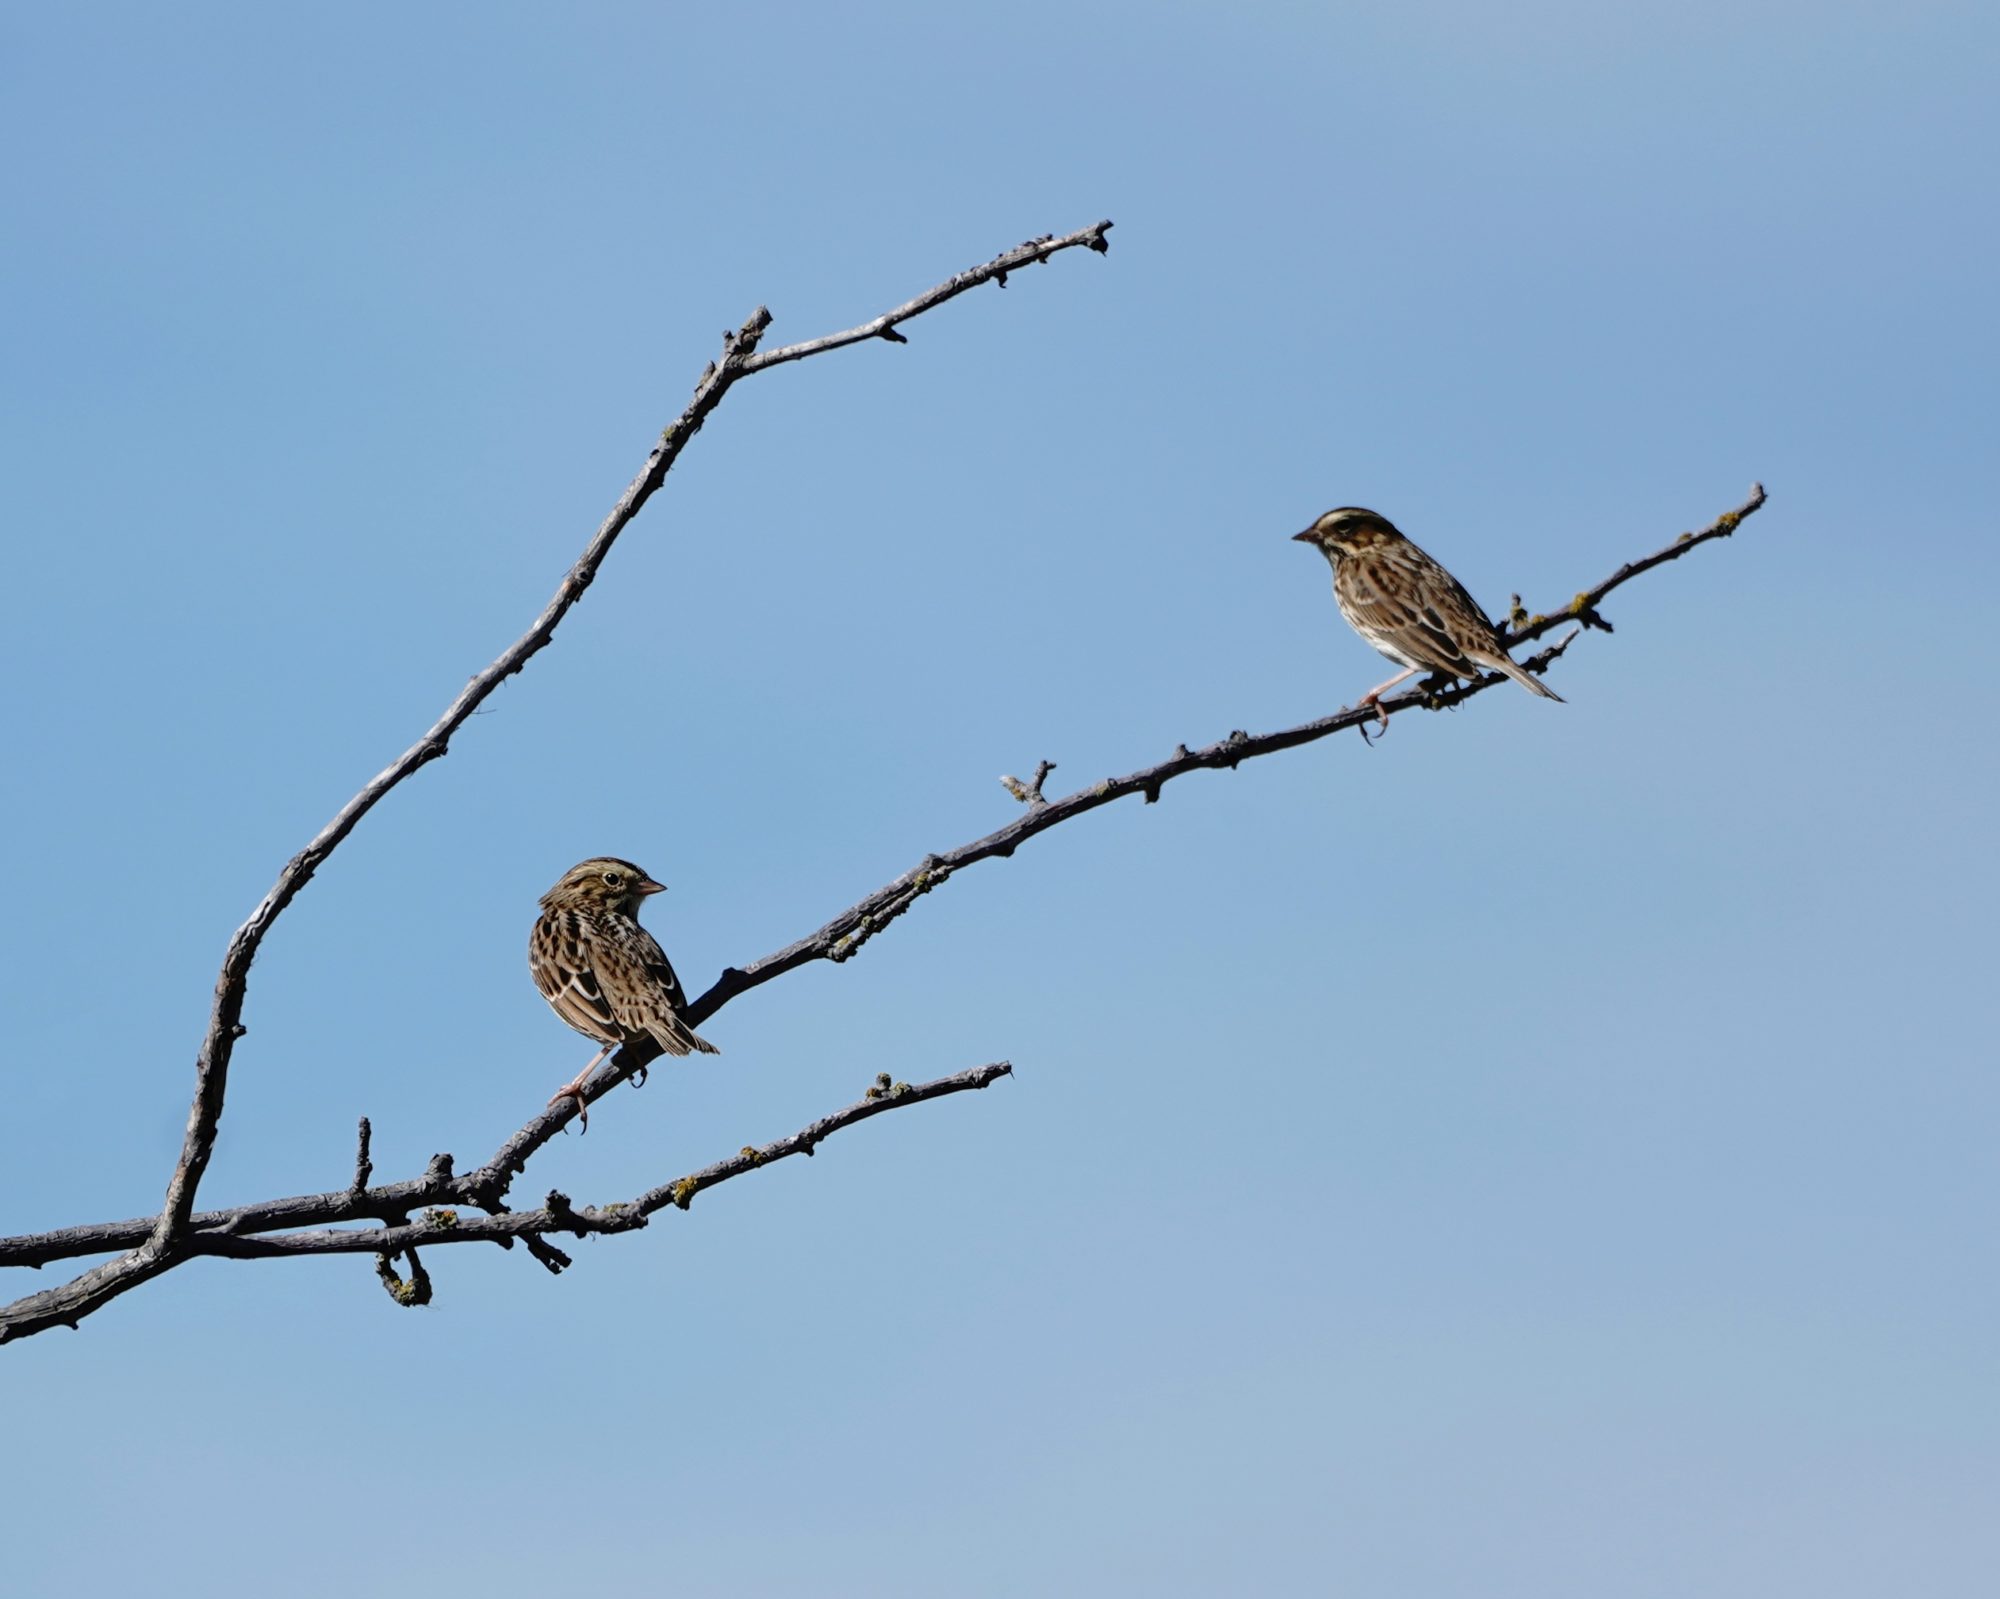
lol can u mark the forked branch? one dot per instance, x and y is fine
(841, 938)
(837, 940)
(428, 1210)
(425, 1211)
(740, 359)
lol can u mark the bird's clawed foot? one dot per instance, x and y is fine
(574, 1091)
(1374, 702)
(1373, 698)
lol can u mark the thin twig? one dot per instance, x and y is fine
(1584, 607)
(1033, 253)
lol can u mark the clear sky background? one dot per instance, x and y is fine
(1548, 1154)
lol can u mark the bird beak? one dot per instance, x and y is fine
(651, 887)
(1307, 537)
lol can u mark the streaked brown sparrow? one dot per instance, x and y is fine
(602, 972)
(1410, 608)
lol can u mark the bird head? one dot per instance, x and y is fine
(1348, 529)
(604, 883)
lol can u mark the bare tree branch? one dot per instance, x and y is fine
(842, 938)
(837, 940)
(740, 359)
(1033, 253)
(157, 1244)
(557, 1215)
(1584, 607)
(233, 1234)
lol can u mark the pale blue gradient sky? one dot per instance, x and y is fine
(1547, 1155)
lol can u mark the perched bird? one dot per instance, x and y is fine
(602, 972)
(1407, 606)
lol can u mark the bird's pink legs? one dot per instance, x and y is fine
(1374, 697)
(573, 1089)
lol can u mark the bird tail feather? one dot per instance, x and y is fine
(681, 1039)
(1527, 679)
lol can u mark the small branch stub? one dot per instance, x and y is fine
(364, 1168)
(1029, 793)
(410, 1292)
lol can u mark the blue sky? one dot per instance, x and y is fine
(1547, 1154)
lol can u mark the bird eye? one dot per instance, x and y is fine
(612, 879)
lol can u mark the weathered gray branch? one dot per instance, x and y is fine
(837, 940)
(740, 359)
(426, 1212)
(841, 938)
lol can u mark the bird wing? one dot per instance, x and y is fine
(1451, 609)
(653, 960)
(563, 972)
(1426, 613)
(652, 1002)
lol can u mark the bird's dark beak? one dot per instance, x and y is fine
(651, 887)
(1307, 537)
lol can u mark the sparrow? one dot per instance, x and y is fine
(1410, 608)
(602, 972)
